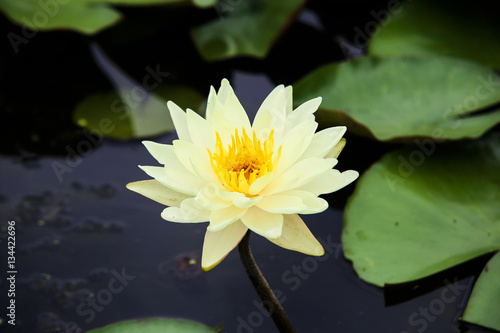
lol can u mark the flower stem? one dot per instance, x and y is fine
(269, 300)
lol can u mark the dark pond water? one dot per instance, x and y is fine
(76, 235)
(90, 253)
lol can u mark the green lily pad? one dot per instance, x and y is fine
(244, 28)
(84, 16)
(444, 27)
(482, 308)
(399, 99)
(424, 209)
(114, 116)
(157, 325)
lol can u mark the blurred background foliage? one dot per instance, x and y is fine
(419, 73)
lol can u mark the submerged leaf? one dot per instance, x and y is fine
(157, 325)
(133, 110)
(109, 114)
(401, 98)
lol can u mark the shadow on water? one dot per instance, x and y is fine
(90, 253)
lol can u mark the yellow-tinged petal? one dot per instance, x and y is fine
(200, 130)
(183, 181)
(303, 113)
(154, 190)
(159, 151)
(297, 237)
(299, 174)
(263, 223)
(221, 218)
(337, 149)
(233, 110)
(246, 202)
(188, 212)
(312, 203)
(217, 245)
(260, 183)
(271, 115)
(176, 179)
(283, 204)
(323, 142)
(208, 199)
(330, 181)
(211, 101)
(227, 195)
(289, 99)
(187, 151)
(180, 121)
(295, 144)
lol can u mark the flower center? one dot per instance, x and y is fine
(245, 160)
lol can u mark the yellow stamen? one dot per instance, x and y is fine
(245, 160)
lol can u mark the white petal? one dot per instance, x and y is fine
(304, 113)
(224, 90)
(289, 100)
(205, 172)
(159, 151)
(233, 111)
(313, 204)
(200, 130)
(323, 142)
(156, 172)
(221, 124)
(212, 96)
(330, 181)
(227, 195)
(208, 199)
(219, 219)
(260, 183)
(297, 237)
(295, 143)
(175, 177)
(180, 121)
(188, 212)
(183, 181)
(166, 153)
(284, 204)
(263, 223)
(187, 151)
(299, 174)
(246, 202)
(271, 115)
(154, 190)
(217, 245)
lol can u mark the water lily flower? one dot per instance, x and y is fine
(239, 176)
